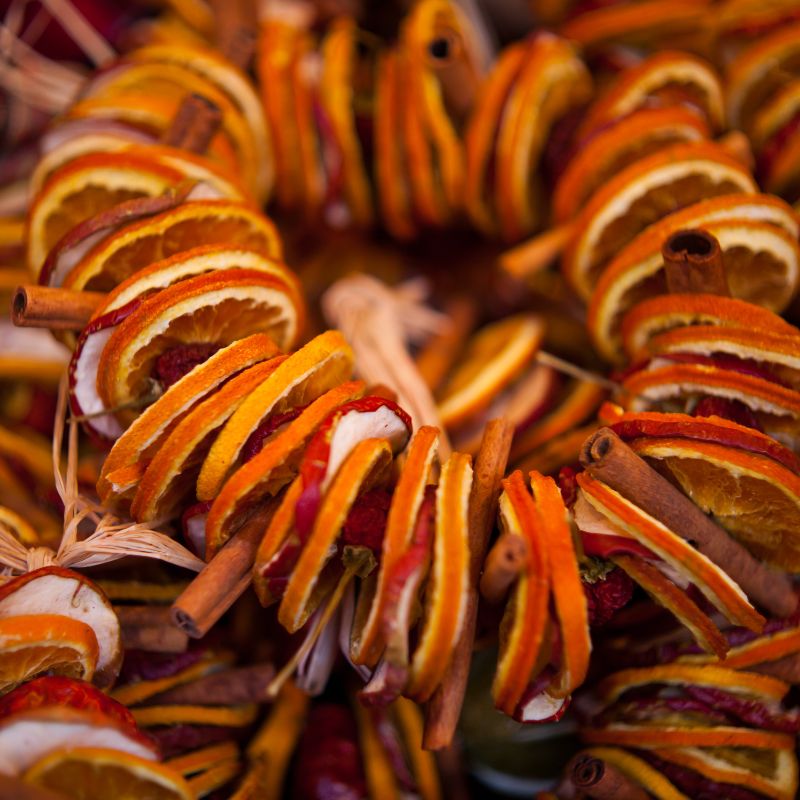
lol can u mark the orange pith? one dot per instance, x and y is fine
(272, 468)
(713, 582)
(190, 225)
(366, 465)
(36, 644)
(447, 592)
(406, 501)
(525, 617)
(752, 496)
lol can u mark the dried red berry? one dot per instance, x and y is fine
(607, 596)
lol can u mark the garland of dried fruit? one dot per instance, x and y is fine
(293, 462)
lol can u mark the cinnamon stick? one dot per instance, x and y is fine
(194, 125)
(437, 358)
(601, 780)
(457, 77)
(693, 263)
(150, 628)
(229, 687)
(444, 708)
(219, 584)
(505, 561)
(608, 459)
(786, 668)
(58, 309)
(236, 27)
(536, 254)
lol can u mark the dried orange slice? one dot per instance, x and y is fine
(752, 496)
(446, 595)
(318, 366)
(393, 191)
(713, 582)
(565, 580)
(366, 466)
(338, 96)
(666, 312)
(37, 644)
(758, 237)
(526, 614)
(642, 194)
(769, 773)
(761, 650)
(627, 139)
(212, 66)
(272, 468)
(407, 498)
(649, 736)
(204, 759)
(94, 772)
(139, 443)
(647, 24)
(552, 80)
(759, 71)
(190, 225)
(84, 187)
(668, 78)
(492, 359)
(638, 770)
(152, 716)
(664, 592)
(170, 478)
(750, 684)
(216, 309)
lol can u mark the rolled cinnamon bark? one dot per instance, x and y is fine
(601, 781)
(229, 687)
(693, 263)
(786, 668)
(505, 561)
(219, 584)
(194, 125)
(57, 309)
(608, 459)
(150, 628)
(444, 708)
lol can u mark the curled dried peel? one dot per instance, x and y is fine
(712, 581)
(526, 615)
(447, 593)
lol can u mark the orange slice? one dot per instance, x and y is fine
(758, 651)
(271, 469)
(750, 684)
(189, 225)
(628, 139)
(526, 614)
(83, 772)
(551, 81)
(217, 308)
(762, 265)
(175, 714)
(367, 465)
(713, 582)
(642, 194)
(170, 478)
(318, 366)
(664, 592)
(761, 70)
(639, 771)
(406, 502)
(665, 312)
(772, 774)
(212, 66)
(204, 759)
(492, 359)
(139, 443)
(37, 644)
(569, 598)
(650, 736)
(668, 78)
(753, 497)
(446, 595)
(84, 187)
